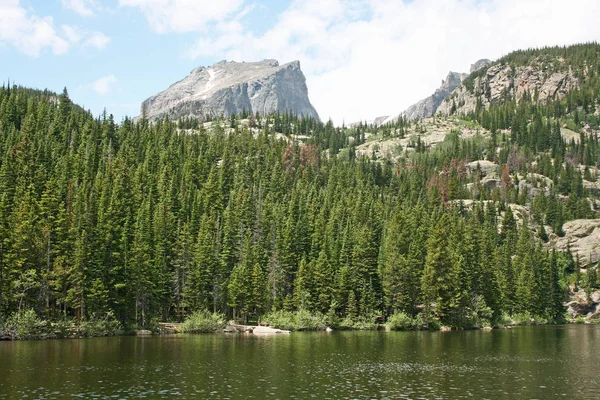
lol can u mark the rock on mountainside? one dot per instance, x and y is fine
(582, 238)
(500, 81)
(429, 105)
(231, 87)
(484, 62)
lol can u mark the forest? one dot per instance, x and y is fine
(249, 216)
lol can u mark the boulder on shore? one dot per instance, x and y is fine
(267, 330)
(582, 306)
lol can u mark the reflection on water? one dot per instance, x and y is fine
(528, 362)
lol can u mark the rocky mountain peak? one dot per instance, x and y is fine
(229, 87)
(546, 79)
(484, 62)
(452, 81)
(429, 105)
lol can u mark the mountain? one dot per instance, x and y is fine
(545, 77)
(429, 105)
(484, 62)
(127, 224)
(232, 87)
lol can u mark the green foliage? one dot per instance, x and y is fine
(100, 325)
(362, 323)
(203, 321)
(145, 222)
(63, 328)
(26, 325)
(4, 332)
(301, 320)
(404, 322)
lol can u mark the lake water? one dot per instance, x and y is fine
(524, 363)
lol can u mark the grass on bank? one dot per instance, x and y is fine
(27, 325)
(203, 321)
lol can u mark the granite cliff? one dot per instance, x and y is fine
(543, 79)
(429, 105)
(231, 87)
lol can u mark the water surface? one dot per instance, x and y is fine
(526, 362)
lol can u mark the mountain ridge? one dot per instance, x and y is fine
(428, 106)
(232, 87)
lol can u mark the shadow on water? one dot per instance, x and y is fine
(526, 362)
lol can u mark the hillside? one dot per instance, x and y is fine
(227, 88)
(543, 75)
(445, 221)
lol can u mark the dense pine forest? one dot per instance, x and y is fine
(251, 215)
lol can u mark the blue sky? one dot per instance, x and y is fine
(362, 58)
(141, 60)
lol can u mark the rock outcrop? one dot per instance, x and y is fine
(582, 237)
(582, 305)
(542, 80)
(429, 105)
(429, 132)
(479, 65)
(231, 87)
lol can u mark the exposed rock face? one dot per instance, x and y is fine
(230, 87)
(429, 132)
(429, 105)
(496, 82)
(479, 65)
(582, 237)
(582, 305)
(377, 121)
(486, 167)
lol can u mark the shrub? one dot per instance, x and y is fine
(434, 324)
(103, 325)
(332, 319)
(504, 320)
(481, 314)
(3, 327)
(280, 319)
(362, 323)
(404, 322)
(305, 321)
(301, 320)
(26, 325)
(523, 318)
(62, 328)
(203, 321)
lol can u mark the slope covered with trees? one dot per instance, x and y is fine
(151, 222)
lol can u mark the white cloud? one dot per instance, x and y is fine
(103, 85)
(97, 40)
(183, 15)
(365, 58)
(30, 34)
(85, 8)
(72, 33)
(76, 35)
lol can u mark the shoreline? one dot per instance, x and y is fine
(258, 330)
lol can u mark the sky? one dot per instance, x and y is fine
(361, 58)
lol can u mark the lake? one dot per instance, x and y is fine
(524, 362)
